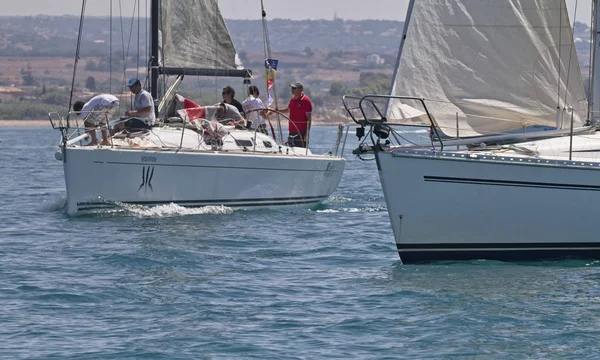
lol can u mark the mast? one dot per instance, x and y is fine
(154, 11)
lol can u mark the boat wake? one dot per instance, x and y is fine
(55, 205)
(172, 210)
(354, 210)
(342, 204)
(122, 209)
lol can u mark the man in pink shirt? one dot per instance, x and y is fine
(300, 109)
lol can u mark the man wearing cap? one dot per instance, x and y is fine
(143, 107)
(300, 109)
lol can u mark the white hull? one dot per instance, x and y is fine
(190, 157)
(234, 176)
(484, 79)
(97, 178)
(456, 206)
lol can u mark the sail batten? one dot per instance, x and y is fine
(490, 66)
(194, 36)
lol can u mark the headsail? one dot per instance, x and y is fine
(194, 36)
(490, 66)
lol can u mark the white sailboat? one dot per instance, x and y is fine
(487, 78)
(192, 163)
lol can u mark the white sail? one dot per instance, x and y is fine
(490, 66)
(194, 36)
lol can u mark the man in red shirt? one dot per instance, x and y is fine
(300, 109)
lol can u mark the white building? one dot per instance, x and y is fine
(374, 60)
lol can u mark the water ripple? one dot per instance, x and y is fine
(168, 282)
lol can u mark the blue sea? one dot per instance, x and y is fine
(215, 283)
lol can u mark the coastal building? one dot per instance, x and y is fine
(374, 60)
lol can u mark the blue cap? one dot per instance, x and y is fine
(132, 82)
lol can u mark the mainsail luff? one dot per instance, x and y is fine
(496, 65)
(595, 68)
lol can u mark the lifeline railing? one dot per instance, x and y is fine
(72, 135)
(381, 125)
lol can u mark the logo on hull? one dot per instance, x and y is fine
(147, 174)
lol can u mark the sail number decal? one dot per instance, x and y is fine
(148, 158)
(330, 169)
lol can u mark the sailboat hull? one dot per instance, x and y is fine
(457, 206)
(102, 178)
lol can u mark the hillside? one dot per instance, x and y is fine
(56, 35)
(328, 56)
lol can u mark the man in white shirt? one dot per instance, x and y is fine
(255, 110)
(143, 107)
(98, 110)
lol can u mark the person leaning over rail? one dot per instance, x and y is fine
(98, 110)
(300, 109)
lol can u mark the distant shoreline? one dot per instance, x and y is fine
(46, 123)
(25, 123)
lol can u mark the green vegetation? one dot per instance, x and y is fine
(28, 110)
(90, 83)
(327, 56)
(54, 96)
(27, 75)
(35, 108)
(337, 88)
(369, 83)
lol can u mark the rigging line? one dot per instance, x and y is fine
(135, 6)
(266, 44)
(148, 55)
(591, 62)
(267, 47)
(110, 33)
(263, 16)
(558, 64)
(214, 52)
(160, 62)
(76, 58)
(124, 79)
(126, 53)
(126, 50)
(137, 63)
(570, 58)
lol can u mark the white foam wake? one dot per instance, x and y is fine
(173, 210)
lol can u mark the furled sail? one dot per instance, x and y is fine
(490, 66)
(194, 36)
